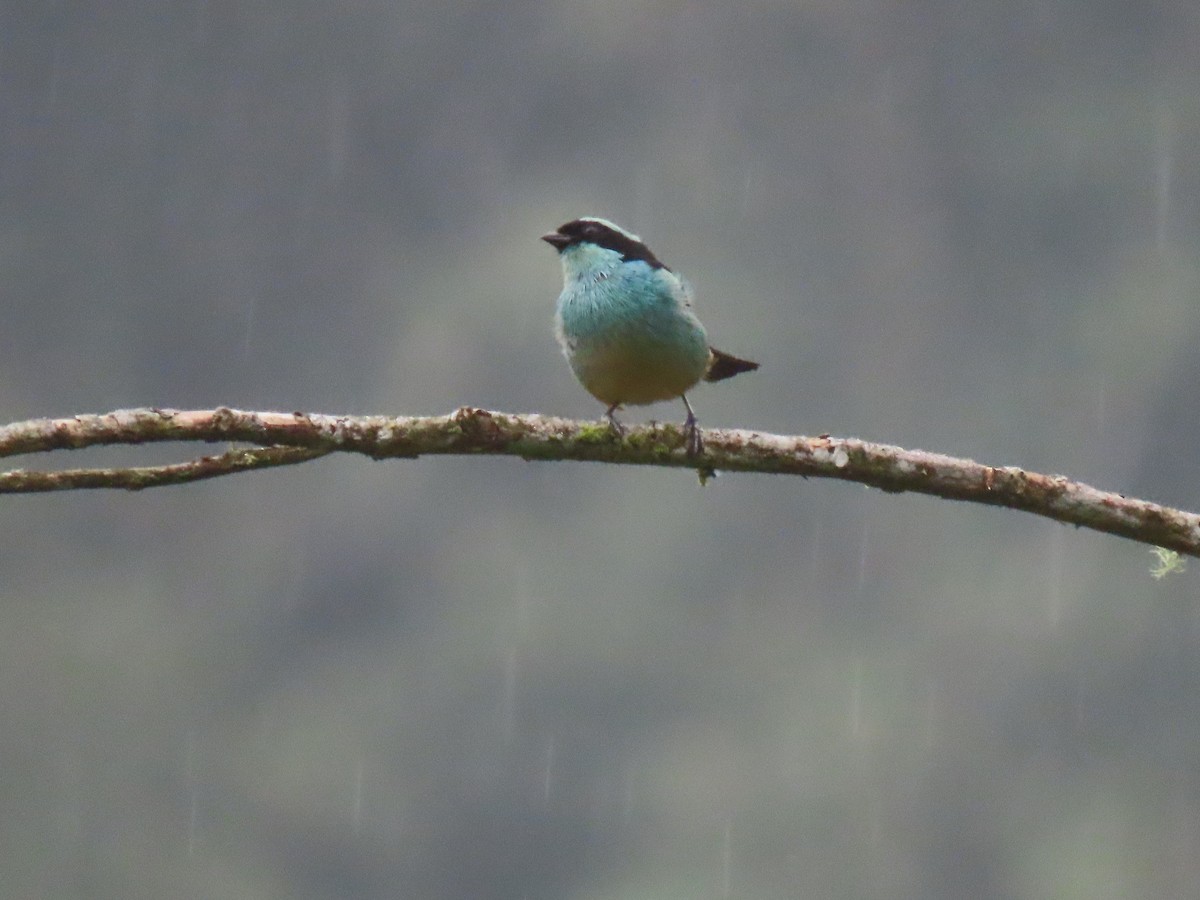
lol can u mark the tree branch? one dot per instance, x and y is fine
(20, 481)
(289, 438)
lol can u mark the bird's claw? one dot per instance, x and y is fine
(617, 428)
(691, 434)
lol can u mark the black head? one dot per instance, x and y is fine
(605, 234)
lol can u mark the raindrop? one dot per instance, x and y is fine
(251, 315)
(1164, 164)
(1054, 597)
(627, 798)
(548, 772)
(193, 817)
(856, 697)
(1101, 409)
(862, 558)
(200, 23)
(727, 860)
(749, 189)
(193, 784)
(509, 701)
(54, 80)
(358, 797)
(1079, 706)
(337, 128)
(931, 715)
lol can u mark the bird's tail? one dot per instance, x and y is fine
(722, 365)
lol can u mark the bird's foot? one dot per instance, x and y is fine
(617, 427)
(691, 434)
(691, 431)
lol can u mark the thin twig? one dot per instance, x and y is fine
(23, 481)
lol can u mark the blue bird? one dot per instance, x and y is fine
(626, 326)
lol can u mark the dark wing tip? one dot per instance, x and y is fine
(722, 365)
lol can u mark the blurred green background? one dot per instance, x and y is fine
(967, 227)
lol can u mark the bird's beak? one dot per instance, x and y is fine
(556, 240)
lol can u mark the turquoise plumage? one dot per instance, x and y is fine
(625, 323)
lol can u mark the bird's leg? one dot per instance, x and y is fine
(695, 444)
(616, 426)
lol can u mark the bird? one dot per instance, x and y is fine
(625, 323)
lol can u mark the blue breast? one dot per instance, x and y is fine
(628, 334)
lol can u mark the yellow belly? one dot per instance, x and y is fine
(616, 375)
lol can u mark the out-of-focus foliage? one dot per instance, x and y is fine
(970, 227)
